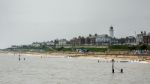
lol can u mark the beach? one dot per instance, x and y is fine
(102, 57)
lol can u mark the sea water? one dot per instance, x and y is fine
(37, 70)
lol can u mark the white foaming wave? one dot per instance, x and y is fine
(143, 62)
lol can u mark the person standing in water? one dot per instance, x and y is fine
(19, 58)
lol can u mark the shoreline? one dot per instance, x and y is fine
(123, 58)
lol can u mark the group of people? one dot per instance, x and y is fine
(146, 52)
(20, 58)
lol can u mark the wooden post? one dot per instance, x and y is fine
(113, 65)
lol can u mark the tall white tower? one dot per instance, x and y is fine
(111, 32)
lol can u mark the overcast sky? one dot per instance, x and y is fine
(27, 21)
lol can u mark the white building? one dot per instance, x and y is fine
(49, 43)
(139, 37)
(103, 39)
(62, 42)
(111, 32)
(36, 44)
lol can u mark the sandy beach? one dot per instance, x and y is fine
(101, 57)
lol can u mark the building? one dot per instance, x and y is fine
(95, 39)
(62, 42)
(130, 40)
(111, 32)
(121, 41)
(103, 39)
(36, 44)
(139, 38)
(143, 38)
(146, 39)
(91, 39)
(81, 40)
(50, 43)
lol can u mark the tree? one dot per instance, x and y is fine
(143, 47)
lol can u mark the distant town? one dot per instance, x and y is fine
(91, 41)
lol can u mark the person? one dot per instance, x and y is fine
(19, 58)
(113, 71)
(113, 65)
(121, 71)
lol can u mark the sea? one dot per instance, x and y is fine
(64, 70)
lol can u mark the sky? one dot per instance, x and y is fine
(27, 21)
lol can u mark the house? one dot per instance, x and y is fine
(62, 42)
(130, 40)
(121, 41)
(78, 41)
(50, 43)
(91, 39)
(143, 38)
(103, 39)
(36, 44)
(146, 39)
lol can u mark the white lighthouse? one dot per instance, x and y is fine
(111, 32)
